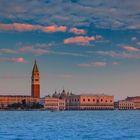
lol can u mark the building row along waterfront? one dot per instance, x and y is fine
(90, 102)
(67, 100)
(130, 103)
(6, 100)
(52, 103)
(79, 102)
(135, 100)
(124, 105)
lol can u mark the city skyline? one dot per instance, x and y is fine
(82, 46)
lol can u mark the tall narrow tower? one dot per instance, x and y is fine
(35, 85)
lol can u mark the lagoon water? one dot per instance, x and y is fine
(70, 125)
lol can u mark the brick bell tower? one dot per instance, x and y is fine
(35, 82)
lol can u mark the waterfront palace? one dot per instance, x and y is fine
(68, 101)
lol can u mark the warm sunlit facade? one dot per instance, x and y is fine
(51, 103)
(90, 102)
(135, 100)
(7, 100)
(124, 105)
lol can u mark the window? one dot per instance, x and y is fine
(93, 100)
(101, 100)
(88, 100)
(84, 100)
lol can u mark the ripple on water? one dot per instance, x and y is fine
(70, 125)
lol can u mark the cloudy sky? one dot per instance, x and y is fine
(81, 45)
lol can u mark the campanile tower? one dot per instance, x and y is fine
(35, 82)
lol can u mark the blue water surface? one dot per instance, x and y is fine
(70, 125)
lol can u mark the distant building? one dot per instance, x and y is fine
(124, 105)
(52, 103)
(35, 82)
(135, 100)
(6, 100)
(90, 102)
(62, 95)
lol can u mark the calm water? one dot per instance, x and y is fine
(70, 125)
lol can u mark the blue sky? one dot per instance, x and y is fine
(83, 46)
